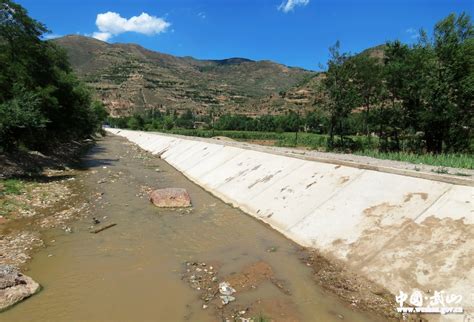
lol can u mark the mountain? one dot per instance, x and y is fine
(303, 95)
(129, 78)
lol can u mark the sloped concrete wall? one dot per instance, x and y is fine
(403, 232)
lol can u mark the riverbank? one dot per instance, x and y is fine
(38, 192)
(40, 203)
(137, 269)
(362, 215)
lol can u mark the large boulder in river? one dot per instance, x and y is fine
(14, 286)
(170, 198)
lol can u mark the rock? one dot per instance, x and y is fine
(226, 289)
(14, 286)
(226, 299)
(170, 198)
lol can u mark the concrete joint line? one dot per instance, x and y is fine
(228, 160)
(278, 180)
(199, 161)
(434, 201)
(450, 179)
(223, 183)
(326, 200)
(159, 153)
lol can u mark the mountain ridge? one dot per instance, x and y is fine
(129, 78)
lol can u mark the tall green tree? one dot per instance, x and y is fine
(368, 80)
(41, 100)
(341, 93)
(453, 92)
(433, 82)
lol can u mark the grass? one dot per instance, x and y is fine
(260, 318)
(455, 160)
(365, 146)
(11, 187)
(284, 139)
(7, 207)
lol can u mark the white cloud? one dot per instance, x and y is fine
(111, 24)
(414, 34)
(51, 36)
(202, 15)
(289, 5)
(104, 36)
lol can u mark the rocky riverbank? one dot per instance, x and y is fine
(234, 266)
(37, 192)
(14, 286)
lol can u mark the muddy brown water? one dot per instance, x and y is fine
(133, 270)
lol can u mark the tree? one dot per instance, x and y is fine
(432, 81)
(368, 81)
(341, 95)
(399, 79)
(312, 121)
(17, 115)
(41, 100)
(186, 120)
(454, 92)
(168, 122)
(20, 32)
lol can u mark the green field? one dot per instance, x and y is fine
(318, 142)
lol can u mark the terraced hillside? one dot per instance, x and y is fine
(304, 95)
(129, 78)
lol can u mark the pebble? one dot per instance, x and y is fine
(226, 299)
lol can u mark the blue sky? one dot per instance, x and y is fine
(292, 32)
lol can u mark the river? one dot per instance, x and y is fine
(133, 271)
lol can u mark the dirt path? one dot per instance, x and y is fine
(167, 265)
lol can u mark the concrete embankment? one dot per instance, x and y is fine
(403, 232)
